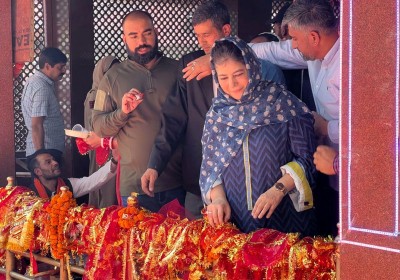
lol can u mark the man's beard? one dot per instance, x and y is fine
(307, 57)
(143, 59)
(51, 175)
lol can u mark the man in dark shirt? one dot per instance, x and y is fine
(184, 110)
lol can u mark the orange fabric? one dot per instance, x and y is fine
(42, 189)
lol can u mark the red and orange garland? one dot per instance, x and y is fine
(132, 243)
(58, 209)
(131, 215)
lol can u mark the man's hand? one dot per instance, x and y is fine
(148, 179)
(93, 140)
(323, 159)
(131, 100)
(320, 125)
(267, 203)
(198, 68)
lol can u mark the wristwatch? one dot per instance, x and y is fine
(113, 160)
(281, 187)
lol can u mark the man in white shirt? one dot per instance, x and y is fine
(47, 181)
(314, 45)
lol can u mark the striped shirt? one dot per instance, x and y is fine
(39, 100)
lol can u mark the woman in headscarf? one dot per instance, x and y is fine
(258, 143)
(107, 195)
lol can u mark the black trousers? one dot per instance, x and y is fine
(326, 202)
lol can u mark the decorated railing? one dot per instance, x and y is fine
(132, 243)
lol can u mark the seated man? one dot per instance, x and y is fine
(46, 172)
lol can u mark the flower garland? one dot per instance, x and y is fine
(166, 247)
(58, 209)
(129, 216)
(41, 189)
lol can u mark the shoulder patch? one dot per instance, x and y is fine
(100, 100)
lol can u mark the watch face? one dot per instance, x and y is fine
(280, 187)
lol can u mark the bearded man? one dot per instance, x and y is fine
(47, 181)
(128, 107)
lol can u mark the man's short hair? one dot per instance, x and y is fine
(52, 56)
(33, 163)
(137, 13)
(212, 10)
(315, 15)
(269, 37)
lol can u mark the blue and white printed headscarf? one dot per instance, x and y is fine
(229, 121)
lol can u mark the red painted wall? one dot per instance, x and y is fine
(370, 113)
(7, 151)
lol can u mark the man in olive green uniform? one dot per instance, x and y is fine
(128, 107)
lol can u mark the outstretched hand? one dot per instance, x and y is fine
(198, 68)
(131, 100)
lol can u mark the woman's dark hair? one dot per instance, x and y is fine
(223, 50)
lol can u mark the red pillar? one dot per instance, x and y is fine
(370, 140)
(7, 149)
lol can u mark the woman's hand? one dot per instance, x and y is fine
(267, 203)
(218, 212)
